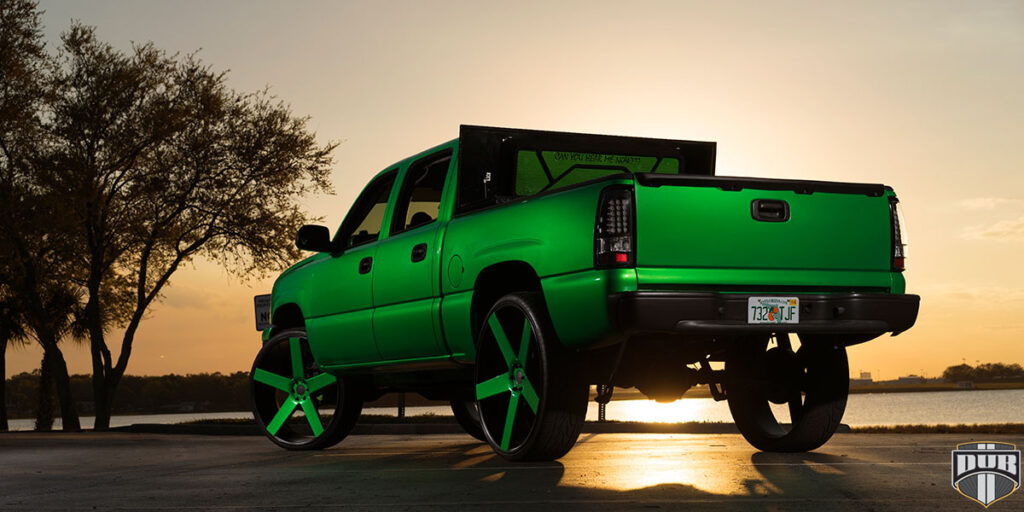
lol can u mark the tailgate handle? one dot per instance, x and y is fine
(769, 210)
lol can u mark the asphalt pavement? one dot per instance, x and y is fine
(129, 471)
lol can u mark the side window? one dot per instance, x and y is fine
(420, 198)
(363, 223)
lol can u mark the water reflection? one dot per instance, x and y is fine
(982, 406)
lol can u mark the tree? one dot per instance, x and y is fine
(12, 331)
(957, 373)
(34, 246)
(160, 163)
(121, 167)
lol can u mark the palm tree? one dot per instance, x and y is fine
(12, 332)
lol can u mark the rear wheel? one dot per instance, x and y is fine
(531, 403)
(812, 381)
(285, 379)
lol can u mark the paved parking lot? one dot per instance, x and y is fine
(122, 471)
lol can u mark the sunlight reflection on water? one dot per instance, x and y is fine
(985, 406)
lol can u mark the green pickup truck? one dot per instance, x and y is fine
(508, 270)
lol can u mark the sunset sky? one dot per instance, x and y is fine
(927, 97)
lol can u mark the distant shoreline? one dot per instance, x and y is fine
(703, 392)
(415, 400)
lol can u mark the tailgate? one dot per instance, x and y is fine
(709, 223)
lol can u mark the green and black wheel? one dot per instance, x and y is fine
(285, 379)
(813, 382)
(531, 403)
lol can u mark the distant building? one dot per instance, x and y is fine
(965, 384)
(910, 379)
(864, 380)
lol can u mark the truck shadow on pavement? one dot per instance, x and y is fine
(470, 475)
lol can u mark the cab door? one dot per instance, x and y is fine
(406, 281)
(339, 317)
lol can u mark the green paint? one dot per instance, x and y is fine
(502, 340)
(510, 420)
(295, 347)
(272, 379)
(309, 408)
(386, 364)
(493, 386)
(524, 342)
(530, 395)
(282, 415)
(688, 238)
(320, 381)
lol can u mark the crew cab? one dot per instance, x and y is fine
(508, 270)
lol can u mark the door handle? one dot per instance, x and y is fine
(365, 265)
(419, 252)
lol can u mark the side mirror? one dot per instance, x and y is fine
(314, 238)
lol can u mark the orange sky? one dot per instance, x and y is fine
(923, 96)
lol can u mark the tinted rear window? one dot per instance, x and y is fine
(540, 171)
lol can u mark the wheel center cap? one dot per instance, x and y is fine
(519, 376)
(300, 388)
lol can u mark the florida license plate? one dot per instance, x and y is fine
(773, 310)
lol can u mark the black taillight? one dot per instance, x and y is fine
(899, 236)
(614, 232)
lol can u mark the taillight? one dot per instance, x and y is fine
(899, 235)
(614, 240)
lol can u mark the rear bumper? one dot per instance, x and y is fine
(726, 313)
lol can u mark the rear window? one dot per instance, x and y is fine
(541, 171)
(498, 165)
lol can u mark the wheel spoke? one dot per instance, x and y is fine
(320, 381)
(510, 420)
(502, 340)
(524, 343)
(530, 395)
(272, 379)
(493, 386)
(296, 351)
(282, 416)
(313, 417)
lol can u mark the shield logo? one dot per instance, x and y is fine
(986, 472)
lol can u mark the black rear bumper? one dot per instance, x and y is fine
(703, 313)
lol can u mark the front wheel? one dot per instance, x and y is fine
(298, 406)
(532, 404)
(812, 381)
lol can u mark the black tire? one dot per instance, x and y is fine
(468, 417)
(279, 388)
(532, 407)
(814, 381)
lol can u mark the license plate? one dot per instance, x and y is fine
(262, 303)
(773, 310)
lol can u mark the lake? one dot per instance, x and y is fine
(980, 406)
